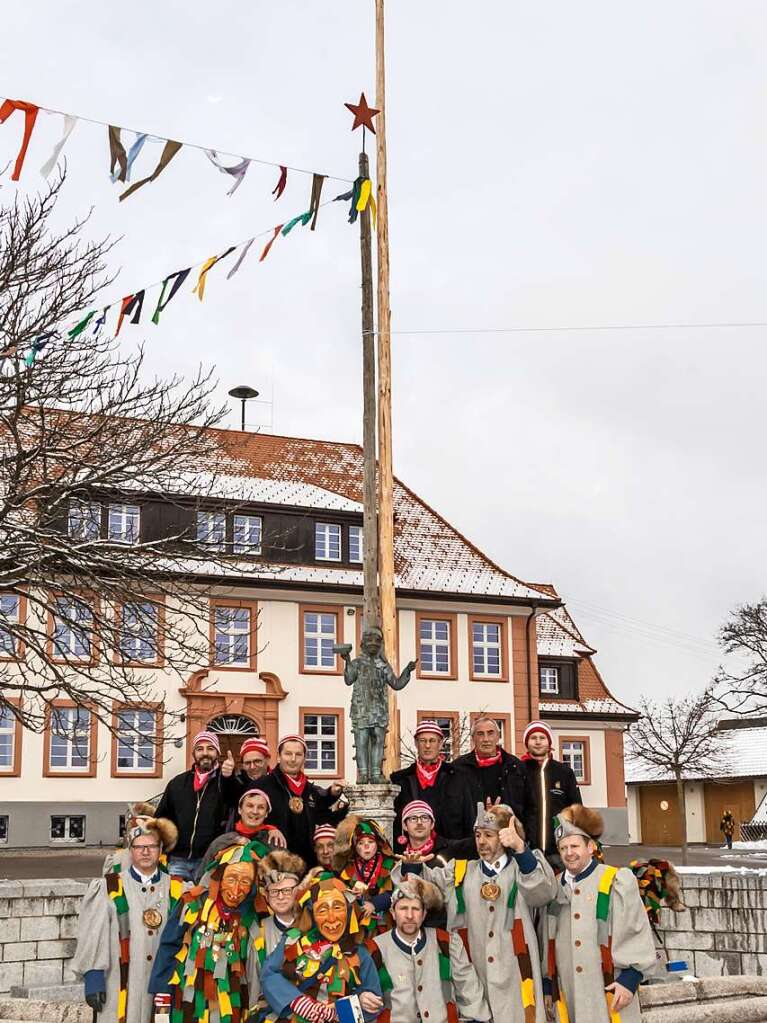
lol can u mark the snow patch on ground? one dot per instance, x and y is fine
(751, 846)
(724, 869)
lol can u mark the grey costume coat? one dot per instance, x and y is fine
(572, 923)
(489, 926)
(98, 943)
(418, 993)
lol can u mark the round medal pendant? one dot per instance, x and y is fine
(490, 891)
(152, 918)
(296, 804)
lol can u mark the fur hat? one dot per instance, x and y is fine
(493, 818)
(278, 865)
(578, 820)
(348, 831)
(414, 887)
(141, 820)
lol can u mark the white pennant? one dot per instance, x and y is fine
(50, 163)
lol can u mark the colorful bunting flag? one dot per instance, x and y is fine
(279, 188)
(241, 259)
(302, 218)
(123, 308)
(199, 288)
(135, 149)
(50, 163)
(30, 112)
(169, 151)
(80, 327)
(117, 155)
(318, 180)
(271, 242)
(180, 276)
(237, 171)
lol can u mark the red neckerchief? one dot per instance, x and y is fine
(425, 850)
(226, 912)
(243, 829)
(201, 778)
(368, 871)
(296, 785)
(489, 761)
(427, 773)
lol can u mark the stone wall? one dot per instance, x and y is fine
(723, 931)
(38, 928)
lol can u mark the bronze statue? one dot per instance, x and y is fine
(369, 674)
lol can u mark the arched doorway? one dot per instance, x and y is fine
(232, 731)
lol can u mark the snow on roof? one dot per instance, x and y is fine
(556, 640)
(744, 756)
(602, 707)
(233, 487)
(429, 554)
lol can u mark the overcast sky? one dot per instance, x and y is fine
(557, 165)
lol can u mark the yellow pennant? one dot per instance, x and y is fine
(199, 290)
(364, 198)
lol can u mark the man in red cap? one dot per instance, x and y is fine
(430, 779)
(553, 783)
(254, 757)
(324, 841)
(298, 805)
(196, 803)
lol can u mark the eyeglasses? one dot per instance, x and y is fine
(145, 848)
(281, 891)
(421, 818)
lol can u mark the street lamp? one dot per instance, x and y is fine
(244, 393)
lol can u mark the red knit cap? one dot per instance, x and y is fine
(323, 831)
(428, 728)
(255, 746)
(416, 809)
(291, 738)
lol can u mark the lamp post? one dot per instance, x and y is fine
(244, 393)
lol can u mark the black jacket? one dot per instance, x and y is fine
(437, 796)
(298, 828)
(474, 784)
(199, 816)
(554, 788)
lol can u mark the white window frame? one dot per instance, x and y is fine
(230, 633)
(8, 730)
(139, 634)
(211, 529)
(327, 536)
(130, 735)
(483, 646)
(326, 659)
(15, 619)
(570, 756)
(449, 736)
(75, 636)
(69, 740)
(124, 523)
(434, 644)
(319, 741)
(545, 685)
(356, 543)
(84, 520)
(66, 837)
(247, 525)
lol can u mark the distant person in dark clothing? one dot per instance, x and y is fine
(487, 775)
(298, 805)
(197, 805)
(430, 779)
(554, 786)
(727, 827)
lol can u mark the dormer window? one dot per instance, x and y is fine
(549, 676)
(211, 528)
(124, 522)
(327, 541)
(84, 520)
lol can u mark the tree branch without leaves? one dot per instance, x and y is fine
(743, 638)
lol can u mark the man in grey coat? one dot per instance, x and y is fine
(121, 920)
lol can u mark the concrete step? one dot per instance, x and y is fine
(25, 1010)
(50, 993)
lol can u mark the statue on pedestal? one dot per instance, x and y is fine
(369, 675)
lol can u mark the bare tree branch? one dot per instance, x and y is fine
(741, 686)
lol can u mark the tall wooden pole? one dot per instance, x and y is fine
(371, 612)
(385, 474)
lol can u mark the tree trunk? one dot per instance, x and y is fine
(683, 815)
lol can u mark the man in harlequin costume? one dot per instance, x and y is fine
(205, 959)
(321, 960)
(121, 919)
(364, 860)
(598, 944)
(489, 901)
(425, 973)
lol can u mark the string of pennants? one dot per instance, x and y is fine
(131, 307)
(122, 160)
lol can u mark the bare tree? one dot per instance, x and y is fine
(741, 687)
(678, 739)
(83, 424)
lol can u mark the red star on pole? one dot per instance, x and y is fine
(363, 114)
